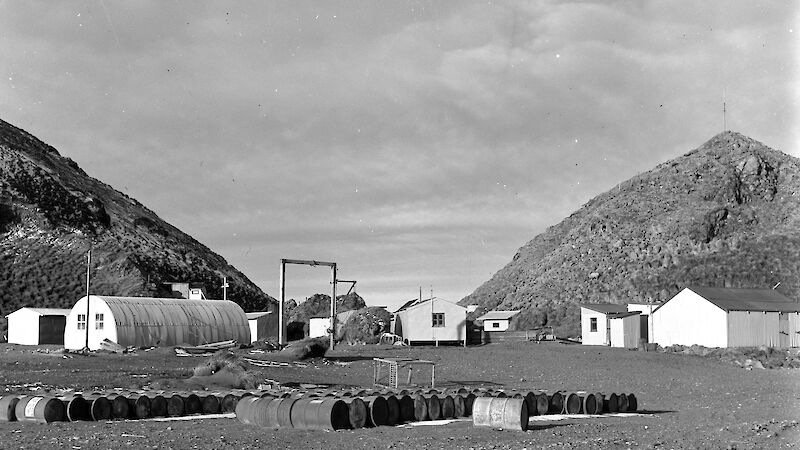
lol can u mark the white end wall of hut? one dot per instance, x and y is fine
(23, 327)
(75, 338)
(600, 335)
(495, 325)
(417, 322)
(689, 319)
(253, 329)
(318, 326)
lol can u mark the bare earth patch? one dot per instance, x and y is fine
(687, 401)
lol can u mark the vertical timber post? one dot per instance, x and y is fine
(88, 299)
(281, 295)
(333, 305)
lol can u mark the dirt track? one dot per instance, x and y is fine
(689, 401)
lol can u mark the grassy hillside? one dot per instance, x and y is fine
(52, 213)
(725, 214)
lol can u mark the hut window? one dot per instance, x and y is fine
(495, 324)
(81, 321)
(98, 321)
(438, 319)
(593, 324)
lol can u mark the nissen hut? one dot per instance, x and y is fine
(142, 321)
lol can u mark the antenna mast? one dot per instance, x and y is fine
(724, 112)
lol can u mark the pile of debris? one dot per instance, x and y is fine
(746, 357)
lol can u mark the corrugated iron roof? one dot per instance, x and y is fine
(407, 305)
(47, 311)
(415, 303)
(730, 299)
(605, 308)
(498, 315)
(623, 315)
(256, 315)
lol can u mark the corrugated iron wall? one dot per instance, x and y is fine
(794, 328)
(753, 329)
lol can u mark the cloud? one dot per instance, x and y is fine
(406, 139)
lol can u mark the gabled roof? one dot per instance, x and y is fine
(623, 315)
(729, 299)
(256, 315)
(416, 303)
(605, 308)
(498, 315)
(47, 311)
(407, 305)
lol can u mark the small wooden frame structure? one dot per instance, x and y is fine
(393, 366)
(282, 291)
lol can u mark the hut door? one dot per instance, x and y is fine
(51, 329)
(783, 330)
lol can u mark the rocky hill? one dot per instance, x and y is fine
(52, 213)
(725, 214)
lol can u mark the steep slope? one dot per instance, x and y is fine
(725, 214)
(52, 213)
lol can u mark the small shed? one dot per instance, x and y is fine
(318, 326)
(496, 320)
(433, 321)
(725, 317)
(595, 326)
(143, 321)
(624, 329)
(645, 311)
(37, 326)
(263, 325)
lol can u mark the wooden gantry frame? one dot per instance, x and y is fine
(282, 289)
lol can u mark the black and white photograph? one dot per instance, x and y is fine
(358, 224)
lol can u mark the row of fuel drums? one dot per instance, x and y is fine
(540, 403)
(513, 413)
(338, 410)
(110, 406)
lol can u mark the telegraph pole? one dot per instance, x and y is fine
(88, 285)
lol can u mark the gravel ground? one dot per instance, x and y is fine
(686, 401)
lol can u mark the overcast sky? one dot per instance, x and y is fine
(415, 143)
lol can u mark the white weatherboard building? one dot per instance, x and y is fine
(35, 326)
(624, 329)
(142, 321)
(722, 317)
(497, 320)
(263, 325)
(431, 321)
(595, 322)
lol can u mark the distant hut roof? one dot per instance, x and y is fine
(47, 311)
(498, 315)
(605, 308)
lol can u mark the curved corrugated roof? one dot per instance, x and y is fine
(143, 321)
